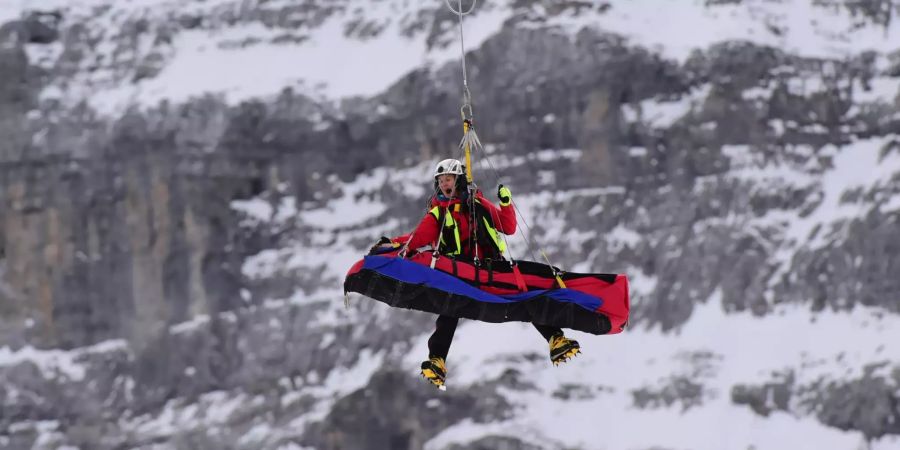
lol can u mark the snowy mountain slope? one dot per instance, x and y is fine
(163, 49)
(752, 201)
(141, 52)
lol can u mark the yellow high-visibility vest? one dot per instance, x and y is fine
(450, 223)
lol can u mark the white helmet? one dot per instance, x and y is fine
(449, 166)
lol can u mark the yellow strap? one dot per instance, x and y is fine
(560, 281)
(451, 222)
(468, 153)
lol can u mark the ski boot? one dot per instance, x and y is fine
(562, 349)
(435, 371)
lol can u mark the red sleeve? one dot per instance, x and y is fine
(504, 217)
(426, 233)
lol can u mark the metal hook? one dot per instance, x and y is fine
(467, 105)
(458, 13)
(466, 108)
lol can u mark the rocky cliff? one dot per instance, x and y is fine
(172, 256)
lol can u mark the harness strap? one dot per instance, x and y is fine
(520, 280)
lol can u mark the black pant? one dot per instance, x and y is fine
(445, 326)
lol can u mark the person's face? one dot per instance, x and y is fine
(447, 184)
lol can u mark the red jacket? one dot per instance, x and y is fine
(428, 230)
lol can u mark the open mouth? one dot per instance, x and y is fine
(447, 191)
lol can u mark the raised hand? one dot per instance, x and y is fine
(504, 195)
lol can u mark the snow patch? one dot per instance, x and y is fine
(857, 165)
(250, 60)
(255, 208)
(881, 89)
(339, 383)
(663, 113)
(677, 28)
(621, 237)
(54, 364)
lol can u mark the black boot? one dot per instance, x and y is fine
(562, 349)
(435, 371)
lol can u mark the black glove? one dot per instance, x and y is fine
(375, 248)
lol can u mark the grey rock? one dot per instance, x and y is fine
(398, 411)
(42, 27)
(121, 228)
(677, 390)
(497, 443)
(765, 399)
(867, 404)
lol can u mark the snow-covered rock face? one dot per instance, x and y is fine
(185, 183)
(114, 54)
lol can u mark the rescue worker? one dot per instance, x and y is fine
(451, 198)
